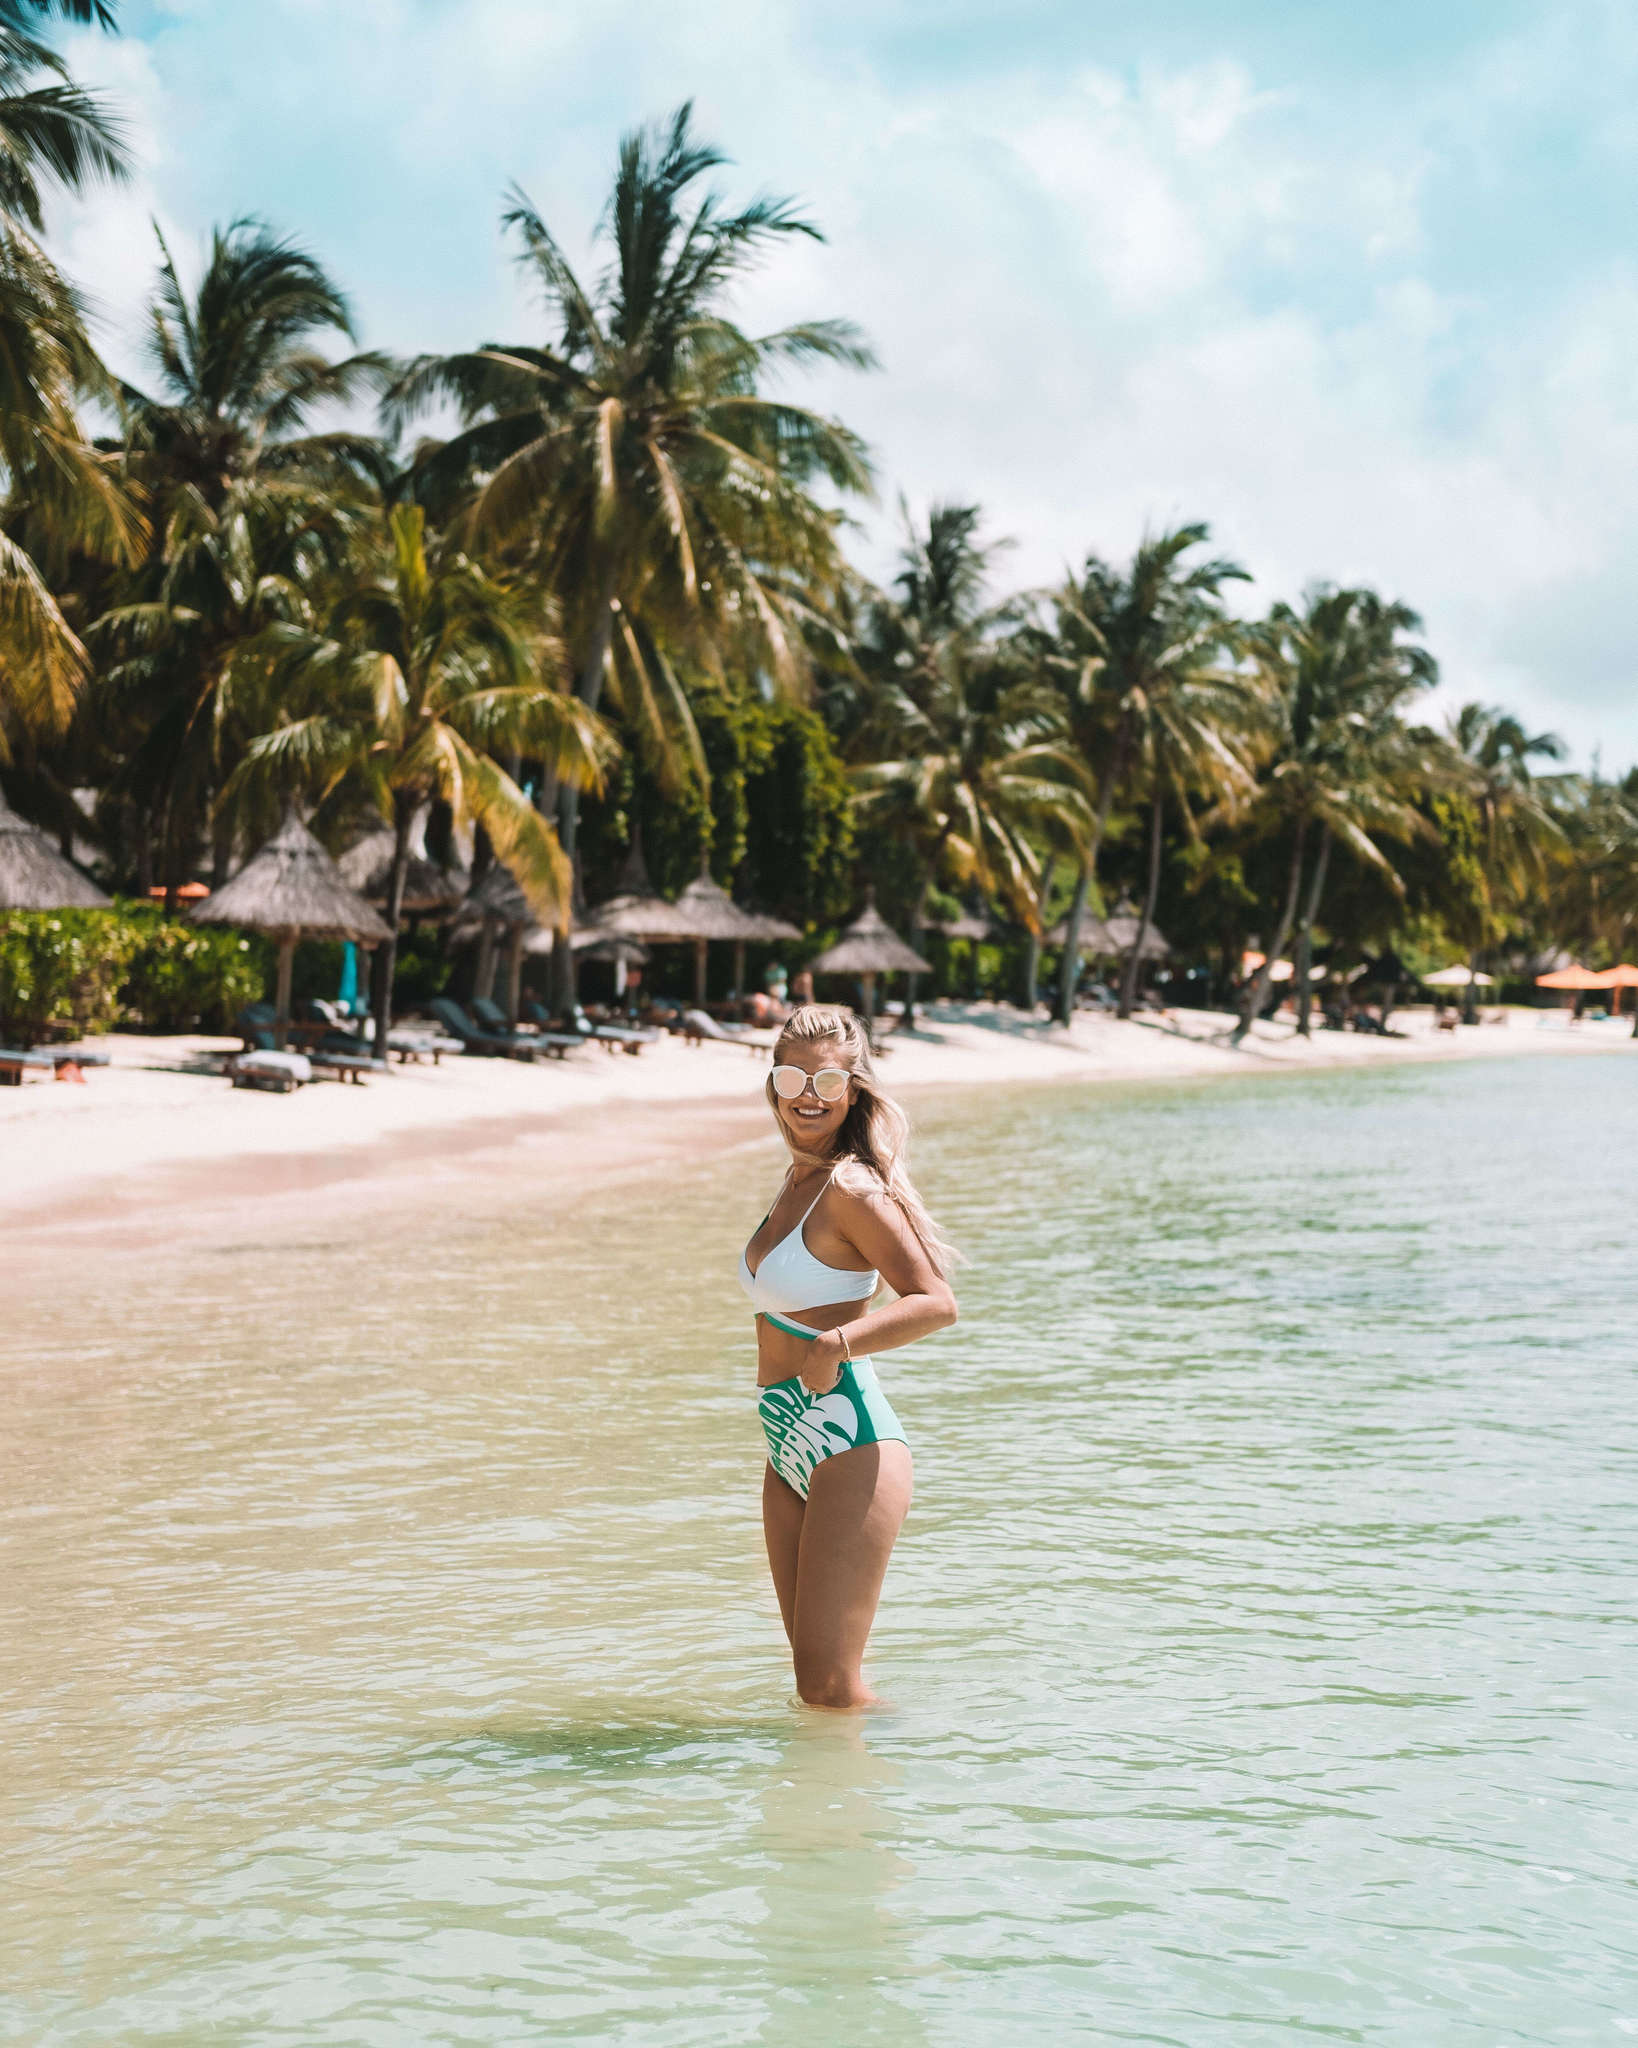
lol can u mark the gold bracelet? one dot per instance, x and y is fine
(847, 1348)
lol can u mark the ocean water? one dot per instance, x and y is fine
(389, 1656)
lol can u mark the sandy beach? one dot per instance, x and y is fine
(118, 1158)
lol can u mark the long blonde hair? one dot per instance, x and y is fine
(871, 1147)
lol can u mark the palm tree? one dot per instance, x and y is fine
(61, 496)
(1118, 643)
(427, 668)
(249, 508)
(1343, 760)
(1192, 735)
(1516, 812)
(979, 768)
(659, 493)
(1343, 763)
(953, 742)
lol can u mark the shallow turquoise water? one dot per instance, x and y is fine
(390, 1658)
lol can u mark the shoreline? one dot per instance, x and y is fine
(142, 1154)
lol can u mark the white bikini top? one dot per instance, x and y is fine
(789, 1278)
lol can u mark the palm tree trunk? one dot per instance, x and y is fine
(1253, 1001)
(1134, 960)
(1069, 962)
(483, 974)
(281, 989)
(589, 689)
(386, 962)
(221, 851)
(514, 975)
(1305, 932)
(1069, 966)
(1032, 951)
(1470, 1002)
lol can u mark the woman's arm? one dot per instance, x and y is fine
(876, 1228)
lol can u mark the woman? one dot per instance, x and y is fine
(838, 1479)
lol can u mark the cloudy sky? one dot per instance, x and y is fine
(1358, 285)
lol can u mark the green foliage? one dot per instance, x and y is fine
(798, 818)
(424, 969)
(1466, 895)
(185, 977)
(60, 971)
(776, 826)
(74, 971)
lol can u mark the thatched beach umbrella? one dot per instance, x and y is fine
(1122, 933)
(869, 947)
(367, 867)
(292, 889)
(1096, 943)
(706, 911)
(34, 875)
(629, 917)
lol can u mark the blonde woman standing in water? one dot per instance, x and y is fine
(837, 1484)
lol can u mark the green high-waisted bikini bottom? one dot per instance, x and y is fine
(803, 1427)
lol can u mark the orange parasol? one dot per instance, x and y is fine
(1571, 977)
(1616, 978)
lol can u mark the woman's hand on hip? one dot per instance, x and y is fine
(823, 1369)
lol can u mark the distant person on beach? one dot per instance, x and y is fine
(837, 1485)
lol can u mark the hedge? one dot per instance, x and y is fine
(69, 972)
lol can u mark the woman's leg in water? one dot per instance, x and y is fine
(856, 1505)
(782, 1511)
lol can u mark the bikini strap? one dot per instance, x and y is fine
(818, 1198)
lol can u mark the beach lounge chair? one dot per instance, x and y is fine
(491, 1017)
(15, 1064)
(63, 1062)
(612, 1037)
(488, 1044)
(336, 1035)
(698, 1026)
(282, 1072)
(256, 1025)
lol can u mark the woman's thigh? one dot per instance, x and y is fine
(782, 1513)
(857, 1502)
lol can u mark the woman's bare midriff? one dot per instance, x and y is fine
(780, 1356)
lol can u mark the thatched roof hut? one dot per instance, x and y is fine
(1123, 930)
(869, 947)
(969, 925)
(428, 890)
(293, 890)
(708, 912)
(499, 897)
(1095, 936)
(292, 885)
(34, 875)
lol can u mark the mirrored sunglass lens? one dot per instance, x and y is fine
(789, 1082)
(830, 1083)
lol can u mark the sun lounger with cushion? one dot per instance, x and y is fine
(491, 1017)
(339, 1061)
(487, 1044)
(282, 1072)
(612, 1037)
(698, 1026)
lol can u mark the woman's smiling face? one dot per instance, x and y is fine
(812, 1124)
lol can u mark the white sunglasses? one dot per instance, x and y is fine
(829, 1084)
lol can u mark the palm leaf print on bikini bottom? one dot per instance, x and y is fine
(802, 1429)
